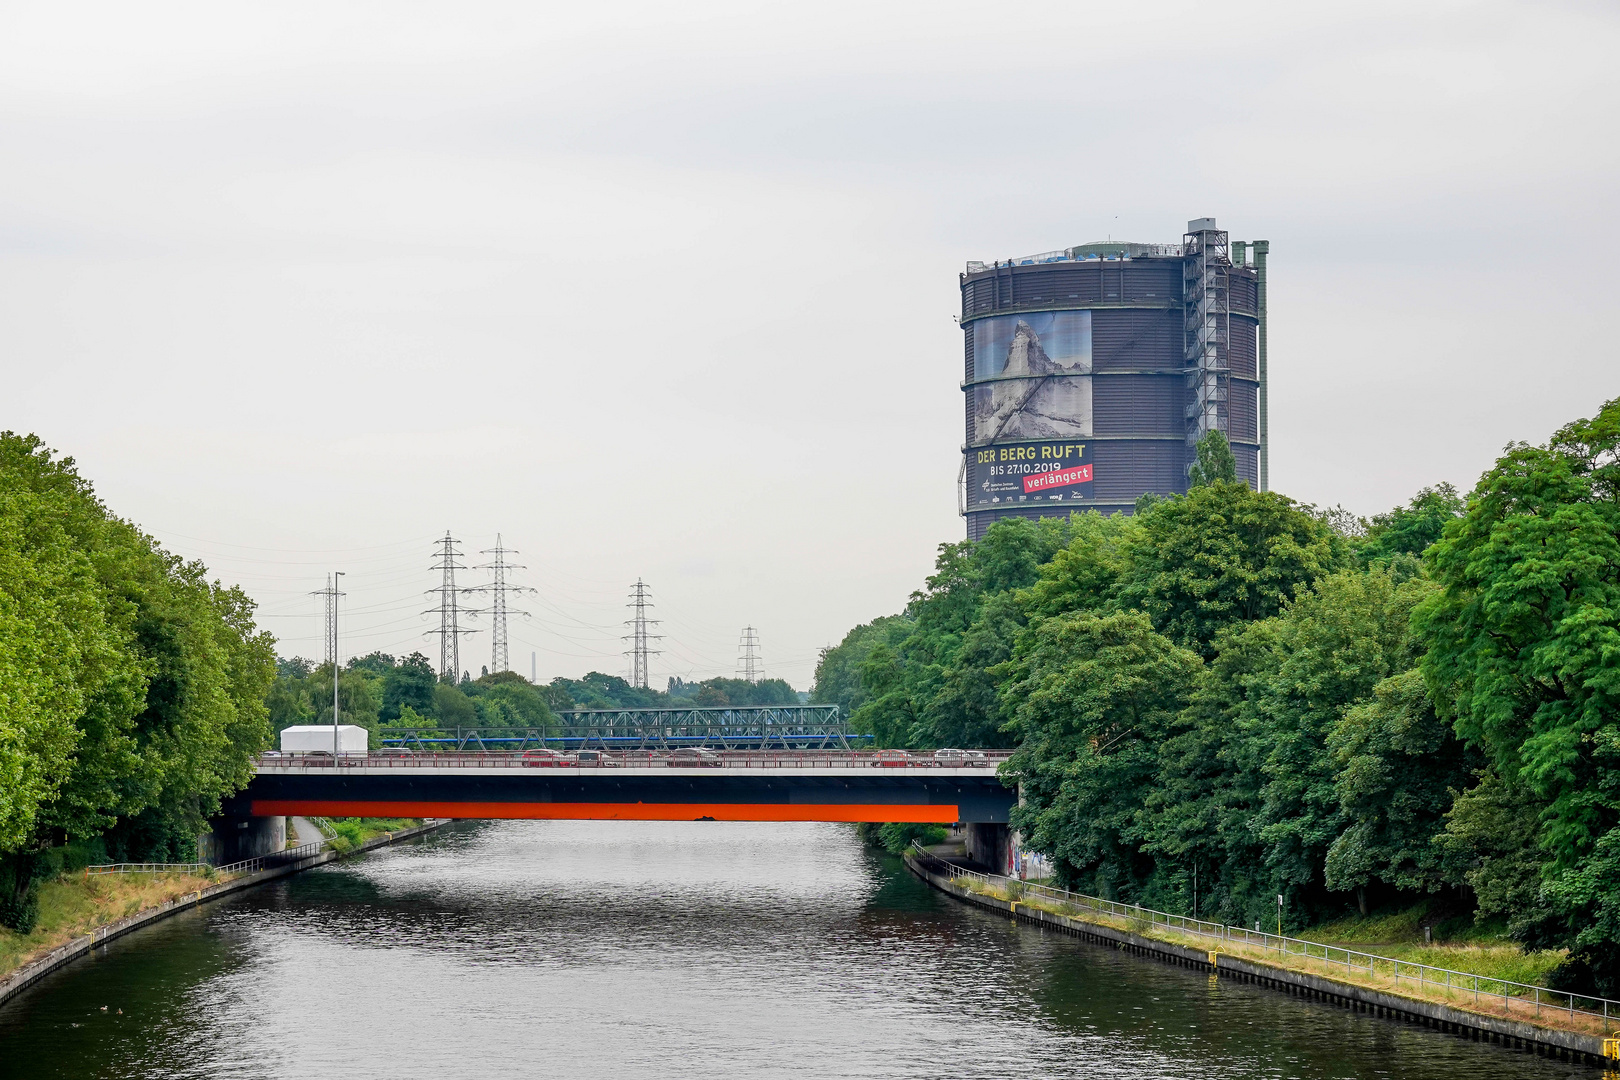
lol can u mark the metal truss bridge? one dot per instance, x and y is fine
(759, 727)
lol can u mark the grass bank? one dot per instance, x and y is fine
(352, 832)
(1486, 958)
(71, 905)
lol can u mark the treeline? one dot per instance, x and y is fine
(388, 696)
(131, 687)
(1284, 702)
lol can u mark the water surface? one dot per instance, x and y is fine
(667, 949)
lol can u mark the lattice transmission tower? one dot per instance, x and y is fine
(498, 609)
(638, 636)
(330, 595)
(447, 562)
(753, 666)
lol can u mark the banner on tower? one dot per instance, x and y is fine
(1028, 473)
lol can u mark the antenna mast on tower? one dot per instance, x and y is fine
(753, 666)
(638, 636)
(449, 630)
(497, 589)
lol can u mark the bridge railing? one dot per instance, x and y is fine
(1518, 1000)
(652, 758)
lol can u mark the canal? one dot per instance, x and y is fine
(632, 949)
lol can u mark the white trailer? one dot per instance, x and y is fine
(306, 738)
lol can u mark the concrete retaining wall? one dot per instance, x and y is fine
(1564, 1044)
(26, 976)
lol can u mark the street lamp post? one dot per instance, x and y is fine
(335, 576)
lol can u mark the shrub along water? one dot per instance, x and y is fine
(1234, 688)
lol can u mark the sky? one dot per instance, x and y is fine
(667, 291)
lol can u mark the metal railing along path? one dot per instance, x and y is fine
(1451, 983)
(245, 866)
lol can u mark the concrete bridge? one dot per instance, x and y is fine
(635, 785)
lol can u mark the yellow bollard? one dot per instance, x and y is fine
(1212, 957)
(1611, 1049)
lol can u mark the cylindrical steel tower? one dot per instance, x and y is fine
(1092, 371)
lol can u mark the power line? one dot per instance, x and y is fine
(449, 630)
(497, 589)
(752, 666)
(638, 636)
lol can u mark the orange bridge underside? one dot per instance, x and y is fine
(938, 814)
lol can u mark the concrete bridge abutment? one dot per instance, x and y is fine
(232, 838)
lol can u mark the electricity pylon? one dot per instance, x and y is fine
(497, 590)
(450, 629)
(638, 635)
(753, 666)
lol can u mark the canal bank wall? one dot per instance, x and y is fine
(1565, 1044)
(28, 974)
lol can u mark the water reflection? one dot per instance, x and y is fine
(667, 949)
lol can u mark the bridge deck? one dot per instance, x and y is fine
(635, 785)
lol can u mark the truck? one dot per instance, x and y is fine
(317, 738)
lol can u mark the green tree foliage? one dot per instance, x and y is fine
(1092, 697)
(1523, 638)
(838, 673)
(407, 684)
(1345, 712)
(1525, 630)
(721, 692)
(1212, 461)
(1221, 554)
(933, 686)
(1328, 650)
(1410, 529)
(132, 690)
(1399, 767)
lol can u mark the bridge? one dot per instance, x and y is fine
(635, 785)
(759, 727)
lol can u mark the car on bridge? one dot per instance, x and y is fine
(891, 759)
(959, 758)
(594, 759)
(543, 757)
(694, 756)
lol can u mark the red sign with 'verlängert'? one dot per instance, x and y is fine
(1078, 474)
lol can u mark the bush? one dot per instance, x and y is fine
(20, 875)
(896, 836)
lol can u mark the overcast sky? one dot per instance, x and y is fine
(666, 290)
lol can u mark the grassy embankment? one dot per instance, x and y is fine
(73, 904)
(352, 832)
(1398, 936)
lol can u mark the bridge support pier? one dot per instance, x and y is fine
(990, 844)
(232, 838)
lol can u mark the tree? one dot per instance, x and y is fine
(1213, 461)
(1221, 554)
(1092, 696)
(1085, 574)
(916, 691)
(1523, 638)
(1398, 767)
(1526, 625)
(132, 690)
(1411, 529)
(408, 683)
(1333, 645)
